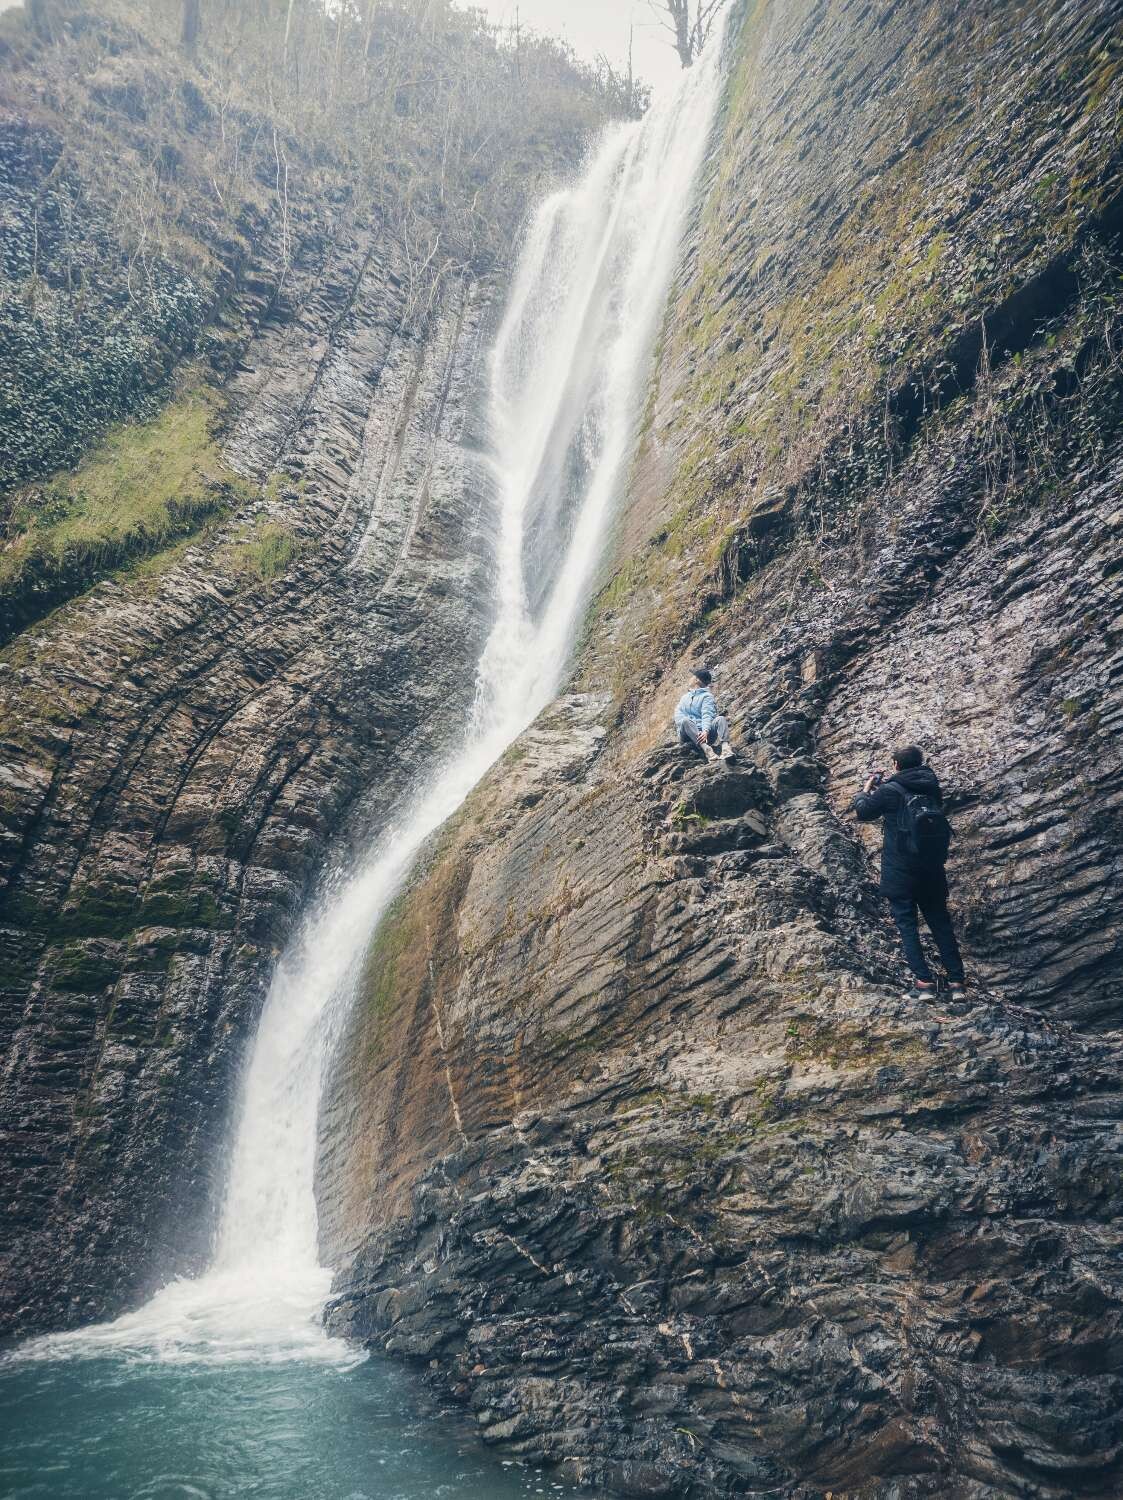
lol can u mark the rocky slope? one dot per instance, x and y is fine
(181, 742)
(632, 1141)
(180, 752)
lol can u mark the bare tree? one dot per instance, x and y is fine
(39, 20)
(192, 24)
(288, 32)
(689, 25)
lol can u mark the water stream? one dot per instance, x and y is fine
(567, 375)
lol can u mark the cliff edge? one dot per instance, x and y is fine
(632, 1141)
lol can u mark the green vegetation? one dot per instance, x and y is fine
(146, 485)
(380, 981)
(137, 195)
(799, 392)
(170, 173)
(81, 968)
(263, 550)
(178, 901)
(843, 1048)
(415, 945)
(93, 909)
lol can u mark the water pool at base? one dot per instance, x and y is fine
(111, 1428)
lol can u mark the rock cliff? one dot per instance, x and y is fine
(632, 1141)
(186, 747)
(199, 705)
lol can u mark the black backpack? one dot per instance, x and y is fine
(925, 833)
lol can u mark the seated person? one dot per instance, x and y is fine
(698, 721)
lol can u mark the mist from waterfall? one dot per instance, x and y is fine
(567, 377)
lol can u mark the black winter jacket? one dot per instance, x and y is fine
(898, 875)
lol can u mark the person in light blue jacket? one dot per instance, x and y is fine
(698, 721)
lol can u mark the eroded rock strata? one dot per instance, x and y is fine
(244, 304)
(632, 1142)
(179, 752)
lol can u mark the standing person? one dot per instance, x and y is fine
(697, 719)
(913, 853)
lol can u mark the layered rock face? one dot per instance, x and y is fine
(273, 257)
(679, 1196)
(181, 748)
(632, 1140)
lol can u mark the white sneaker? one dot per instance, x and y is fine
(726, 751)
(708, 752)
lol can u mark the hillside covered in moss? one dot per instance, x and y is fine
(159, 198)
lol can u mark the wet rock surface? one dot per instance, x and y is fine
(1013, 669)
(245, 294)
(913, 474)
(179, 751)
(712, 1210)
(634, 1144)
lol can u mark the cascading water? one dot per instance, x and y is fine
(567, 375)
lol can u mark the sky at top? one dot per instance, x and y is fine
(599, 26)
(590, 27)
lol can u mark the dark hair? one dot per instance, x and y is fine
(908, 757)
(703, 674)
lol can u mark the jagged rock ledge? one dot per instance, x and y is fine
(633, 1144)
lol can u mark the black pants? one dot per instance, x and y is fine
(933, 903)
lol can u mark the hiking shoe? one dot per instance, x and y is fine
(957, 989)
(727, 751)
(919, 990)
(709, 753)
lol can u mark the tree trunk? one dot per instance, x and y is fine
(288, 28)
(690, 35)
(192, 25)
(679, 12)
(39, 19)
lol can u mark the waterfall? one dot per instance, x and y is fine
(567, 377)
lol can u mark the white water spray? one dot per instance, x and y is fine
(567, 376)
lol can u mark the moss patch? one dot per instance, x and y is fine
(82, 968)
(143, 489)
(263, 550)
